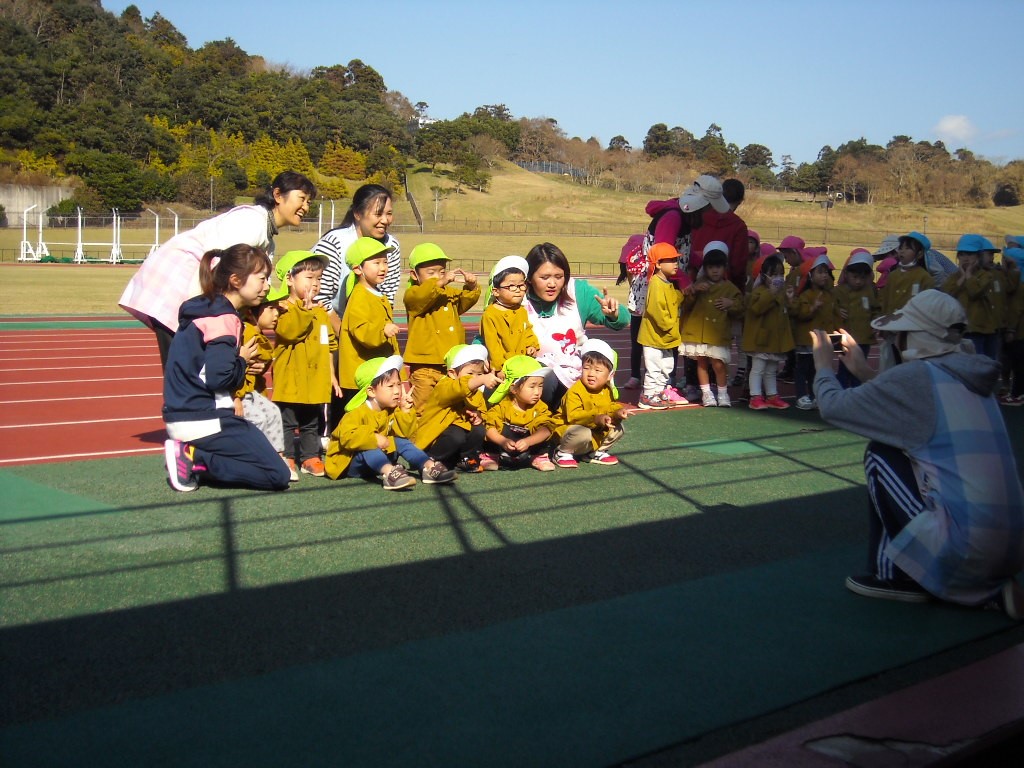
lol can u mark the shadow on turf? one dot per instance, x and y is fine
(57, 667)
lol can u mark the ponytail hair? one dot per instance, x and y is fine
(217, 266)
(285, 182)
(367, 196)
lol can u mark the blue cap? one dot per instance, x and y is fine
(986, 245)
(924, 241)
(970, 243)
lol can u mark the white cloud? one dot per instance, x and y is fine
(955, 128)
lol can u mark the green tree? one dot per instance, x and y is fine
(117, 179)
(756, 155)
(658, 141)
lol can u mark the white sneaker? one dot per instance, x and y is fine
(807, 403)
(707, 399)
(723, 399)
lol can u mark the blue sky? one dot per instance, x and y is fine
(790, 74)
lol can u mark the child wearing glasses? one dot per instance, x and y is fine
(505, 327)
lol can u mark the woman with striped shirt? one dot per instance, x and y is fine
(370, 215)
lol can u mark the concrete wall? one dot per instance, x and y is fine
(15, 198)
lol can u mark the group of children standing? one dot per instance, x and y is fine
(779, 310)
(446, 405)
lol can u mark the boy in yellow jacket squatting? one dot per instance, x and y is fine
(303, 369)
(591, 417)
(451, 425)
(376, 430)
(433, 304)
(368, 329)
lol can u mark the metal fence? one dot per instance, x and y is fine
(60, 233)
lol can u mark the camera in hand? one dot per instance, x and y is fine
(837, 341)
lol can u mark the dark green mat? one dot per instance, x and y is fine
(589, 685)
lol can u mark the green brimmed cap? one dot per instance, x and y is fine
(461, 354)
(364, 248)
(287, 262)
(516, 368)
(367, 373)
(425, 253)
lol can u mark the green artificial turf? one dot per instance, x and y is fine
(577, 617)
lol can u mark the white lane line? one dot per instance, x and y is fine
(80, 455)
(78, 423)
(79, 381)
(73, 399)
(78, 368)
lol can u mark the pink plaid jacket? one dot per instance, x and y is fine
(168, 276)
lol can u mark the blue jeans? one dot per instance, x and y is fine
(373, 462)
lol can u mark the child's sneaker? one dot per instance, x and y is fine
(757, 403)
(774, 401)
(738, 378)
(807, 403)
(565, 460)
(602, 457)
(488, 463)
(723, 399)
(313, 467)
(180, 460)
(469, 464)
(543, 463)
(707, 399)
(293, 471)
(672, 397)
(397, 479)
(652, 403)
(437, 474)
(633, 383)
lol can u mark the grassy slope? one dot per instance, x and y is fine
(542, 207)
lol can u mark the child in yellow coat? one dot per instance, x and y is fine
(591, 419)
(368, 329)
(767, 331)
(251, 401)
(451, 424)
(709, 308)
(505, 328)
(814, 309)
(518, 424)
(377, 430)
(303, 370)
(856, 306)
(909, 277)
(433, 304)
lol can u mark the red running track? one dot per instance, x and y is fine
(77, 393)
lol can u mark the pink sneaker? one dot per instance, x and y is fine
(758, 403)
(488, 463)
(672, 397)
(776, 402)
(543, 463)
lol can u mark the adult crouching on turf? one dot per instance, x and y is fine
(947, 509)
(370, 215)
(170, 274)
(559, 307)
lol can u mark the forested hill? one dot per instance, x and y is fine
(78, 80)
(126, 109)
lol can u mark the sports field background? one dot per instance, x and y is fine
(672, 608)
